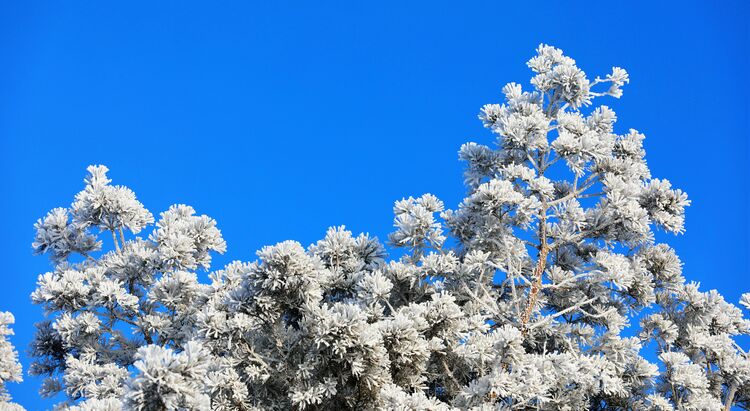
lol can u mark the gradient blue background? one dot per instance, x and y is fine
(282, 119)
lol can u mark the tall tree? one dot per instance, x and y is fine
(530, 305)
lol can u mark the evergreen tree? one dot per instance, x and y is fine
(10, 369)
(553, 262)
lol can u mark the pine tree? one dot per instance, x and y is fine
(552, 262)
(10, 369)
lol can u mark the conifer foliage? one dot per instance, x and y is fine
(543, 290)
(10, 369)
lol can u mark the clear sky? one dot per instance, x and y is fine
(282, 118)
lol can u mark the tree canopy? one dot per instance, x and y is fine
(544, 289)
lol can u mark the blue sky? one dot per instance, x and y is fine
(282, 118)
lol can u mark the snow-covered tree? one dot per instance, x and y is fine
(545, 289)
(10, 368)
